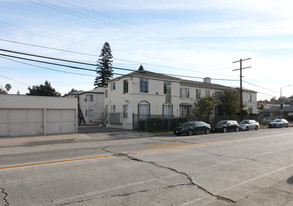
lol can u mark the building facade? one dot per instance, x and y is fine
(90, 105)
(22, 115)
(143, 93)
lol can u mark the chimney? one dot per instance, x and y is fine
(207, 80)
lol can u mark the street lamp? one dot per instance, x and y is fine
(283, 88)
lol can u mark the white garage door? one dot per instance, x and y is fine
(18, 122)
(61, 121)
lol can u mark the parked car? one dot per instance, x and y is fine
(227, 126)
(248, 124)
(278, 123)
(193, 127)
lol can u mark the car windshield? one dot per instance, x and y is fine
(188, 124)
(277, 120)
(244, 122)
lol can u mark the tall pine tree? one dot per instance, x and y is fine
(104, 70)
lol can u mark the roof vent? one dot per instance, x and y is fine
(207, 80)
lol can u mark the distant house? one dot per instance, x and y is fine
(143, 93)
(90, 105)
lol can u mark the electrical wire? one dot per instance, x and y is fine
(88, 64)
(14, 80)
(42, 67)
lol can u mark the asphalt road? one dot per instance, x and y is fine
(243, 168)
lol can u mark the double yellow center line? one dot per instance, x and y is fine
(159, 147)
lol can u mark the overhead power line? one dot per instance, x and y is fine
(42, 67)
(119, 59)
(45, 62)
(79, 62)
(52, 58)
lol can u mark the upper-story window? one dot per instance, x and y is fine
(113, 86)
(144, 85)
(207, 92)
(218, 95)
(89, 113)
(198, 94)
(89, 98)
(250, 97)
(167, 87)
(184, 92)
(125, 86)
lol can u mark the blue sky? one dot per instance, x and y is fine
(188, 37)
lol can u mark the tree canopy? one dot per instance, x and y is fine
(43, 90)
(204, 107)
(6, 90)
(229, 103)
(104, 70)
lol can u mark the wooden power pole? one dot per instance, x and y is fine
(241, 95)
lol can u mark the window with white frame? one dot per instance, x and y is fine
(125, 111)
(143, 108)
(89, 113)
(218, 95)
(125, 86)
(184, 92)
(198, 93)
(167, 109)
(207, 92)
(89, 98)
(250, 97)
(144, 85)
(167, 87)
(113, 86)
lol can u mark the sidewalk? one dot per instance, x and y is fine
(70, 138)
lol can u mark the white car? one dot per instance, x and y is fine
(248, 124)
(279, 123)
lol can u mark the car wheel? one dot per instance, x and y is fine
(236, 129)
(224, 130)
(189, 132)
(287, 125)
(256, 128)
(207, 131)
(247, 128)
(178, 134)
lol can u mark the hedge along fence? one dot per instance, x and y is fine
(158, 123)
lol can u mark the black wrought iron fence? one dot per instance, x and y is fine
(149, 123)
(156, 122)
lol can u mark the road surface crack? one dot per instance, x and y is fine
(190, 179)
(6, 202)
(192, 182)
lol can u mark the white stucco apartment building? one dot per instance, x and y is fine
(146, 93)
(90, 105)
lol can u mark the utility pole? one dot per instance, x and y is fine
(241, 92)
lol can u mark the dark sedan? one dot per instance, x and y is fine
(193, 127)
(227, 126)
